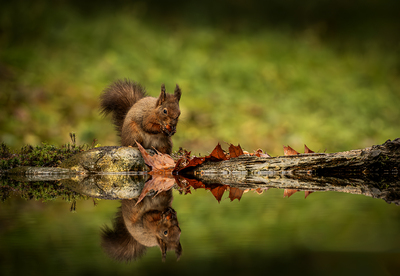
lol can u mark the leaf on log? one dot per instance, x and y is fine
(261, 190)
(289, 151)
(260, 153)
(307, 193)
(217, 154)
(186, 162)
(158, 183)
(289, 192)
(307, 150)
(235, 151)
(218, 191)
(235, 193)
(160, 163)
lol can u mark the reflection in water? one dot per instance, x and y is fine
(151, 222)
(333, 233)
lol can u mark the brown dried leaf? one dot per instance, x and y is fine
(195, 161)
(218, 191)
(289, 192)
(289, 151)
(235, 151)
(235, 193)
(217, 154)
(158, 162)
(158, 183)
(307, 150)
(261, 190)
(260, 153)
(307, 193)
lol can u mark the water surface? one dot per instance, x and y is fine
(328, 233)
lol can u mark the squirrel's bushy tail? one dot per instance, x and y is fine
(118, 98)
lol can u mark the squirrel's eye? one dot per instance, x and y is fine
(165, 232)
(165, 111)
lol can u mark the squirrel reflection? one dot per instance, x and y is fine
(151, 222)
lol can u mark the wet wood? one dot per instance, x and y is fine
(372, 172)
(380, 159)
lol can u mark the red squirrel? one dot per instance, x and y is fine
(151, 222)
(137, 117)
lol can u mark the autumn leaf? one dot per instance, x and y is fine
(186, 162)
(235, 151)
(235, 193)
(160, 163)
(307, 150)
(260, 153)
(218, 191)
(158, 183)
(261, 190)
(196, 184)
(217, 154)
(289, 151)
(289, 192)
(307, 193)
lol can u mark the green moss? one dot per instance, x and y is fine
(43, 155)
(41, 190)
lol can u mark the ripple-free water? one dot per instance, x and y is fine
(327, 233)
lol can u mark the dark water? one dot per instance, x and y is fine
(328, 233)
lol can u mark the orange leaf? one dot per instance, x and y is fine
(307, 193)
(195, 161)
(235, 151)
(158, 183)
(218, 191)
(261, 190)
(217, 154)
(235, 193)
(260, 153)
(158, 162)
(288, 192)
(307, 150)
(289, 151)
(195, 183)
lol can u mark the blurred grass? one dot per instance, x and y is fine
(264, 86)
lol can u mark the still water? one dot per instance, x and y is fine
(328, 233)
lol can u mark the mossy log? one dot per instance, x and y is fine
(111, 172)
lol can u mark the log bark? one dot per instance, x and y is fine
(375, 160)
(372, 171)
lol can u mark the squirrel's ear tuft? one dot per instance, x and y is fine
(177, 93)
(162, 96)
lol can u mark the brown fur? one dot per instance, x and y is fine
(137, 117)
(152, 222)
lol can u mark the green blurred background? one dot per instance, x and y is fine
(258, 73)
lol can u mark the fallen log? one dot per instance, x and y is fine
(375, 160)
(372, 172)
